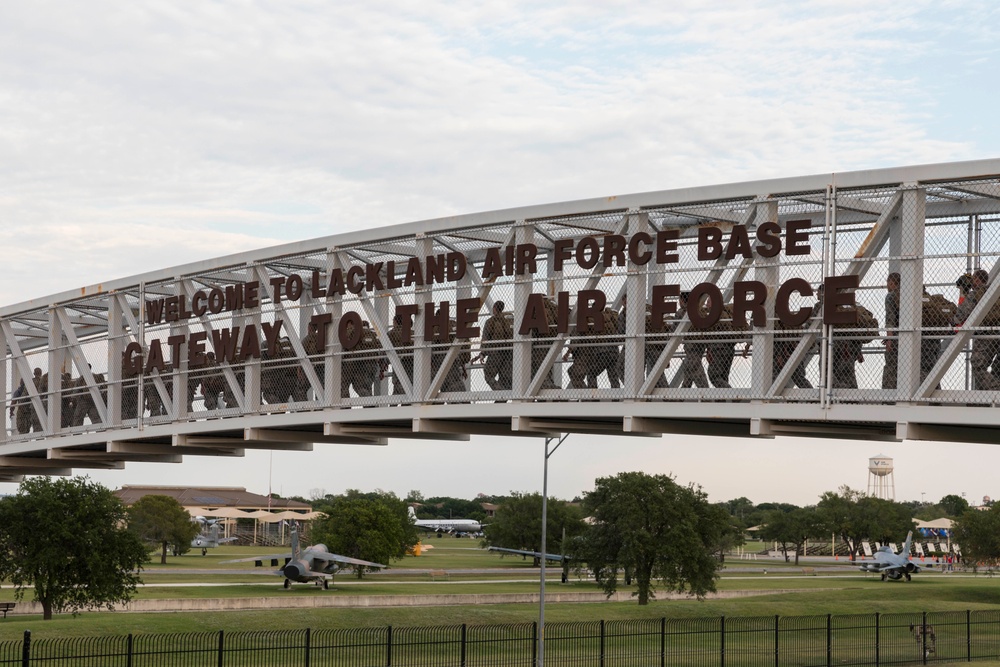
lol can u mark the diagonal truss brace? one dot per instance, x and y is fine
(859, 266)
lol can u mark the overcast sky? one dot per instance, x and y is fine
(141, 135)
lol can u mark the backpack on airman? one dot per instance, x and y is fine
(936, 311)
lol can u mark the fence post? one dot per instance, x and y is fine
(26, 649)
(222, 645)
(722, 641)
(600, 659)
(968, 635)
(308, 642)
(877, 640)
(923, 635)
(775, 640)
(388, 647)
(663, 642)
(829, 640)
(464, 637)
(534, 642)
(128, 656)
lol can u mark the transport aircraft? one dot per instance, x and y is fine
(312, 564)
(208, 538)
(893, 566)
(453, 526)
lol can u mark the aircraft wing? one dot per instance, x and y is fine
(344, 560)
(533, 554)
(878, 567)
(251, 559)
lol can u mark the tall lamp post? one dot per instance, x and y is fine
(560, 439)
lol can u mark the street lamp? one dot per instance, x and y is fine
(922, 494)
(545, 520)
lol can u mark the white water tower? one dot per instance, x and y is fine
(880, 481)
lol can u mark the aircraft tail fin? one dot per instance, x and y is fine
(294, 535)
(906, 545)
(412, 512)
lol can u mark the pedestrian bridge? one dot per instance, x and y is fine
(787, 328)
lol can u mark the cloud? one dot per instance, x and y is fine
(149, 134)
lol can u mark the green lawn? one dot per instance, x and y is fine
(834, 591)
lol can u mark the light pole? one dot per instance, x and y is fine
(922, 494)
(545, 518)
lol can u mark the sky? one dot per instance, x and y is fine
(142, 135)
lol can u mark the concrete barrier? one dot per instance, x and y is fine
(324, 600)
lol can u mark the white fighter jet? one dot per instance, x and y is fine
(891, 565)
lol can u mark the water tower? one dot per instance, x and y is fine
(880, 481)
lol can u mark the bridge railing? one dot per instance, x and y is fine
(345, 322)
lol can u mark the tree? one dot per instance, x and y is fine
(373, 527)
(854, 517)
(162, 521)
(650, 528)
(733, 534)
(979, 534)
(954, 506)
(445, 507)
(741, 509)
(67, 539)
(791, 529)
(518, 523)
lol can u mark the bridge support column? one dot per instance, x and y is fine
(424, 297)
(636, 286)
(57, 354)
(116, 350)
(911, 271)
(765, 271)
(523, 233)
(4, 410)
(333, 354)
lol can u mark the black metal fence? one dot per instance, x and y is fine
(799, 641)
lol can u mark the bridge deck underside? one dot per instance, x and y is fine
(518, 323)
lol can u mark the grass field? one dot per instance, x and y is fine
(814, 588)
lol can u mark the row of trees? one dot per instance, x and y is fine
(849, 514)
(76, 544)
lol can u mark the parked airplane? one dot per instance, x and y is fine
(313, 563)
(536, 557)
(209, 538)
(456, 526)
(891, 565)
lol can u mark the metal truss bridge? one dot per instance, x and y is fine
(387, 333)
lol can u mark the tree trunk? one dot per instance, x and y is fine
(163, 554)
(796, 554)
(643, 578)
(46, 610)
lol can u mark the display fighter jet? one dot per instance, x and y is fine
(312, 564)
(893, 566)
(208, 538)
(453, 526)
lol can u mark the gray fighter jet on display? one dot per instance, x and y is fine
(208, 538)
(536, 557)
(893, 566)
(312, 564)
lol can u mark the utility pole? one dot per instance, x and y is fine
(545, 518)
